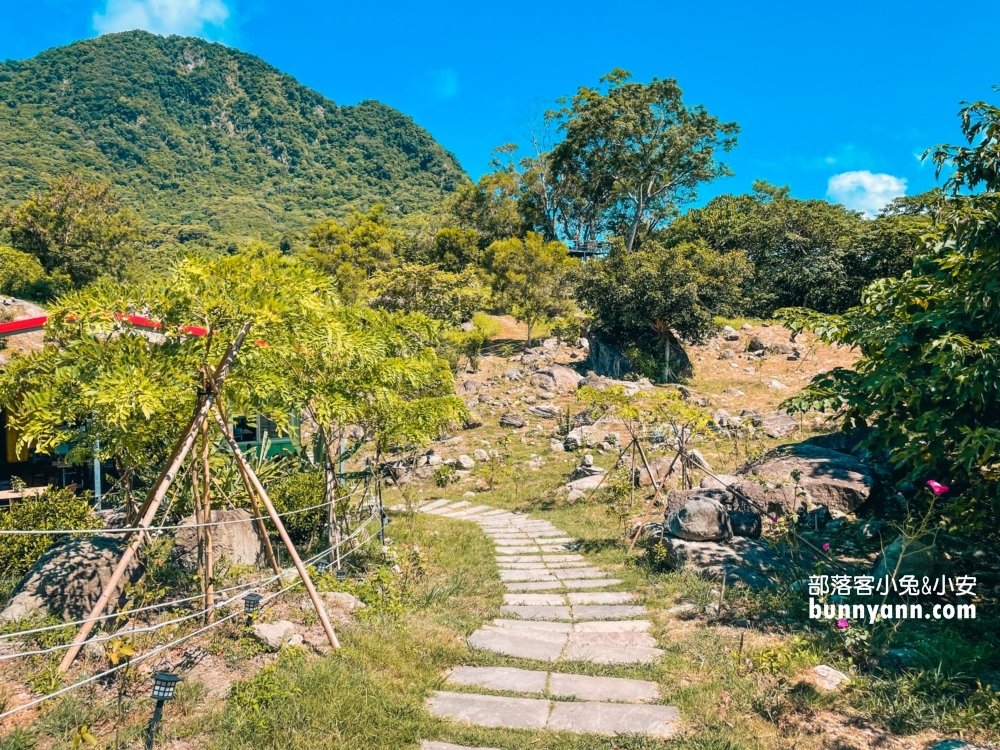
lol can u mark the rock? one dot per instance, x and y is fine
(239, 543)
(587, 483)
(828, 678)
(588, 460)
(467, 326)
(469, 386)
(545, 411)
(662, 468)
(512, 420)
(873, 528)
(745, 327)
(556, 378)
(733, 392)
(780, 348)
(775, 385)
(481, 455)
(722, 482)
(434, 459)
(550, 343)
(900, 658)
(513, 374)
(906, 557)
(585, 437)
(683, 609)
(730, 334)
(631, 388)
(575, 494)
(751, 561)
(749, 370)
(753, 417)
(726, 354)
(453, 440)
(702, 519)
(274, 635)
(779, 424)
(340, 604)
(836, 480)
(756, 345)
(698, 459)
(556, 446)
(465, 463)
(68, 579)
(745, 523)
(815, 519)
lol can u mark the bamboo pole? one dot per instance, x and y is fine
(303, 573)
(652, 500)
(209, 552)
(156, 495)
(248, 485)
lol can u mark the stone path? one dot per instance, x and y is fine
(553, 614)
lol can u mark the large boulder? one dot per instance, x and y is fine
(752, 561)
(701, 518)
(68, 579)
(631, 387)
(779, 424)
(556, 378)
(237, 540)
(662, 467)
(825, 477)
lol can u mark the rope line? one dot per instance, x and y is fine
(158, 649)
(132, 529)
(242, 586)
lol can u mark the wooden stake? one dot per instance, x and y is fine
(652, 500)
(303, 573)
(156, 495)
(209, 553)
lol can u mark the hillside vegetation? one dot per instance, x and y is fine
(207, 139)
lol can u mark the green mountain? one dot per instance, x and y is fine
(207, 139)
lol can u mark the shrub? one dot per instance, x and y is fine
(53, 509)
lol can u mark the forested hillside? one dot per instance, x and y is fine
(206, 139)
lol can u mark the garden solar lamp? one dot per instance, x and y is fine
(251, 604)
(341, 575)
(164, 684)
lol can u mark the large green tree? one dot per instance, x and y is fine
(75, 228)
(639, 299)
(531, 278)
(928, 375)
(632, 153)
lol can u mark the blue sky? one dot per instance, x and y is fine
(834, 99)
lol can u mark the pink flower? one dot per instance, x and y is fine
(774, 519)
(936, 487)
(843, 624)
(826, 546)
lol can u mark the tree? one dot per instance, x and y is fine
(454, 249)
(640, 300)
(353, 251)
(531, 278)
(804, 253)
(929, 367)
(490, 206)
(76, 228)
(633, 153)
(452, 297)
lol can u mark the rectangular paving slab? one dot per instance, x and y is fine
(613, 718)
(578, 573)
(561, 558)
(432, 505)
(590, 583)
(611, 654)
(601, 597)
(527, 575)
(518, 558)
(544, 613)
(516, 550)
(534, 599)
(567, 565)
(579, 638)
(602, 688)
(606, 611)
(613, 626)
(449, 508)
(552, 627)
(490, 710)
(522, 566)
(500, 678)
(535, 585)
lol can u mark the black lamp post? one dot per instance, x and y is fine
(164, 684)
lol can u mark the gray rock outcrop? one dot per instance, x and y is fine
(238, 540)
(702, 518)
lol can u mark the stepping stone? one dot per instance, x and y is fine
(612, 654)
(534, 600)
(601, 597)
(613, 626)
(535, 585)
(590, 584)
(466, 512)
(496, 512)
(567, 565)
(527, 575)
(518, 558)
(523, 644)
(548, 613)
(517, 550)
(490, 710)
(554, 540)
(613, 718)
(578, 573)
(551, 627)
(561, 558)
(644, 640)
(602, 688)
(606, 611)
(554, 547)
(448, 508)
(500, 678)
(432, 505)
(522, 566)
(427, 745)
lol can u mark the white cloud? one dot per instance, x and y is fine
(186, 17)
(864, 191)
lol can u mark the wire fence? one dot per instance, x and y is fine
(176, 642)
